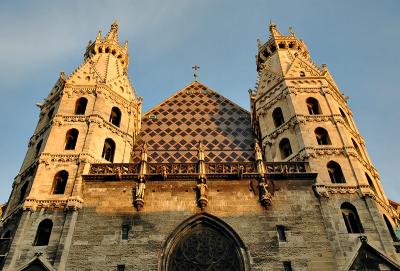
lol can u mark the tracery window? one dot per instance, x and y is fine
(115, 116)
(205, 248)
(108, 150)
(351, 219)
(335, 172)
(278, 117)
(285, 148)
(80, 106)
(313, 106)
(43, 233)
(322, 136)
(60, 182)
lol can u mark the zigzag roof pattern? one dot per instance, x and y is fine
(174, 128)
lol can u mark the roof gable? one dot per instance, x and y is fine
(174, 128)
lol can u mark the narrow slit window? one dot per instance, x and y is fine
(281, 233)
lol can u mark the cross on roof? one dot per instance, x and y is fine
(195, 69)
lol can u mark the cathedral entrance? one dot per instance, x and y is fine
(204, 244)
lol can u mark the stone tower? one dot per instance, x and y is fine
(300, 114)
(91, 116)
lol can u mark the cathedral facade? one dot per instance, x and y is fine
(197, 182)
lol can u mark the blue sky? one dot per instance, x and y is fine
(358, 40)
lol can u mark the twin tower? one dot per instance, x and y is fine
(64, 215)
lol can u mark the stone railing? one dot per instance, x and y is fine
(240, 170)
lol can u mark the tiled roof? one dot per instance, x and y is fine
(174, 128)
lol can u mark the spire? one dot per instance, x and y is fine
(273, 29)
(113, 33)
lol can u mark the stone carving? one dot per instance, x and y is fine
(265, 195)
(202, 193)
(139, 194)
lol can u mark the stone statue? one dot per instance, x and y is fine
(258, 152)
(202, 194)
(201, 152)
(265, 195)
(140, 187)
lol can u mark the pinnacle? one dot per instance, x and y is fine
(113, 33)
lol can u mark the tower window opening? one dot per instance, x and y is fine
(113, 52)
(285, 148)
(43, 233)
(291, 45)
(313, 106)
(22, 191)
(115, 116)
(322, 136)
(281, 230)
(109, 150)
(351, 219)
(120, 267)
(71, 138)
(335, 172)
(278, 117)
(282, 45)
(107, 50)
(119, 56)
(390, 228)
(100, 50)
(38, 148)
(287, 266)
(272, 48)
(50, 114)
(125, 232)
(80, 105)
(60, 182)
(356, 147)
(302, 74)
(370, 182)
(344, 116)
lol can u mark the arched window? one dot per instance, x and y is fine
(285, 148)
(313, 106)
(370, 182)
(43, 233)
(356, 147)
(38, 147)
(115, 116)
(390, 228)
(50, 114)
(108, 150)
(322, 136)
(351, 219)
(71, 138)
(278, 117)
(302, 74)
(60, 181)
(80, 106)
(204, 242)
(335, 172)
(22, 192)
(344, 116)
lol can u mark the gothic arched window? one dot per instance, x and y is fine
(278, 117)
(356, 147)
(80, 106)
(60, 182)
(204, 243)
(108, 150)
(344, 116)
(22, 191)
(285, 148)
(70, 139)
(370, 182)
(43, 233)
(115, 116)
(313, 106)
(390, 228)
(322, 136)
(351, 219)
(335, 172)
(38, 147)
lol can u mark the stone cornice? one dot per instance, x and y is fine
(326, 191)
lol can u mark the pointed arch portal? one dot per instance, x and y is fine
(204, 243)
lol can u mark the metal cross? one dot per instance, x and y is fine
(195, 69)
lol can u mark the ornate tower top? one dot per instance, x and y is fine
(278, 42)
(109, 45)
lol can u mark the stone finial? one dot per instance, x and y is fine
(200, 151)
(273, 29)
(259, 44)
(144, 152)
(99, 36)
(113, 33)
(126, 45)
(258, 152)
